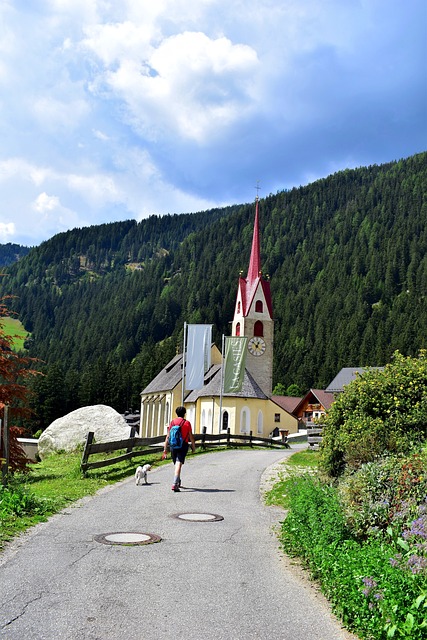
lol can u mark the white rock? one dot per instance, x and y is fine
(69, 432)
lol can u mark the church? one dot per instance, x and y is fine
(253, 408)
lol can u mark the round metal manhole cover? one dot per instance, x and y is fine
(127, 538)
(198, 517)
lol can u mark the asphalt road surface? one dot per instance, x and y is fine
(214, 578)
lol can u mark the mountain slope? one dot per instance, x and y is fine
(347, 257)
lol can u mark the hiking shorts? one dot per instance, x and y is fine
(179, 454)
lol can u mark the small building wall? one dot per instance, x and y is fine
(30, 447)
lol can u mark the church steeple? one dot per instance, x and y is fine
(253, 315)
(254, 270)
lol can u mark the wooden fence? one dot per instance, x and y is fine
(314, 435)
(139, 447)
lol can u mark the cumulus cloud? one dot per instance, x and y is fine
(7, 231)
(188, 84)
(45, 204)
(117, 110)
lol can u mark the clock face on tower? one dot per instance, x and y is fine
(256, 346)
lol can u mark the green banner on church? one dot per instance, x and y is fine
(234, 363)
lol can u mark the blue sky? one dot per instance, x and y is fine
(111, 110)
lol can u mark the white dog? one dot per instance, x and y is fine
(141, 474)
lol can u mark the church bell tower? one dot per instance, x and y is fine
(253, 316)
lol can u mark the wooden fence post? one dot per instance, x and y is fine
(6, 446)
(85, 456)
(204, 437)
(131, 435)
(250, 438)
(228, 437)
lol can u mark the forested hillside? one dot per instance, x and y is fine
(347, 258)
(10, 253)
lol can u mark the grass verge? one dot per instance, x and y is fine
(299, 462)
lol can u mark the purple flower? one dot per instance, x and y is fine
(418, 527)
(417, 563)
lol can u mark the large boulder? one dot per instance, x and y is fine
(70, 432)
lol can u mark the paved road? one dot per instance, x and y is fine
(219, 579)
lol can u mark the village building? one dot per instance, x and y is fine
(312, 407)
(252, 409)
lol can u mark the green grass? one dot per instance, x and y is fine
(16, 330)
(298, 462)
(308, 459)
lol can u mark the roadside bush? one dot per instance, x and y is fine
(384, 493)
(372, 585)
(381, 412)
(16, 501)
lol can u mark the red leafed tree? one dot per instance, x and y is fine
(15, 369)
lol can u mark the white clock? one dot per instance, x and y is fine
(256, 346)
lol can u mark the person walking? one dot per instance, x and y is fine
(178, 453)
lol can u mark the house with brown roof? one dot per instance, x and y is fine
(315, 404)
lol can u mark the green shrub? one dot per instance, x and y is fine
(384, 493)
(381, 412)
(376, 595)
(16, 501)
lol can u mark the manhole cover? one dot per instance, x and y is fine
(198, 517)
(127, 538)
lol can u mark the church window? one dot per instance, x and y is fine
(203, 419)
(225, 420)
(259, 329)
(259, 427)
(238, 329)
(258, 306)
(277, 417)
(245, 420)
(238, 307)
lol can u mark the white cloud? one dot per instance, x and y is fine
(111, 110)
(45, 203)
(190, 85)
(7, 231)
(54, 115)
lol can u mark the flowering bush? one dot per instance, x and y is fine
(381, 412)
(375, 585)
(384, 493)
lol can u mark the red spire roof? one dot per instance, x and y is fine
(249, 285)
(254, 270)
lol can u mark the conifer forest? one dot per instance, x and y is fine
(346, 255)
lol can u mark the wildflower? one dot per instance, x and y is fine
(416, 563)
(419, 527)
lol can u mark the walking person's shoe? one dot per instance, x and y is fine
(175, 487)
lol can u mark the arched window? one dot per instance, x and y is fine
(260, 423)
(209, 425)
(258, 306)
(203, 420)
(245, 420)
(238, 329)
(225, 420)
(259, 329)
(238, 307)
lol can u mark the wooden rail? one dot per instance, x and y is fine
(314, 436)
(139, 447)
